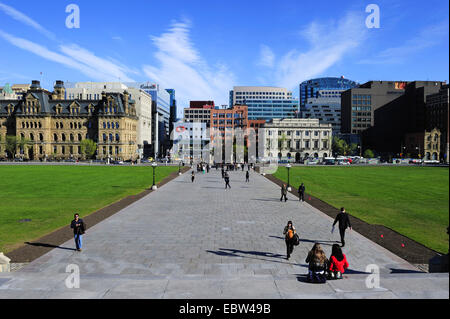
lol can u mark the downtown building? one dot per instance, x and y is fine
(199, 112)
(191, 142)
(294, 140)
(391, 117)
(83, 91)
(321, 99)
(14, 92)
(264, 102)
(55, 126)
(163, 110)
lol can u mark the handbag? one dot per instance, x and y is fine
(296, 240)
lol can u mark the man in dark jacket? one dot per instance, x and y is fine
(301, 193)
(344, 223)
(283, 193)
(79, 228)
(227, 181)
(247, 177)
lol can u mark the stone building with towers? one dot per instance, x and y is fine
(54, 127)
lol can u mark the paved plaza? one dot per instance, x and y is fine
(198, 240)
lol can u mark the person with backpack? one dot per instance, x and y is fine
(247, 177)
(338, 263)
(317, 265)
(79, 229)
(301, 192)
(193, 176)
(289, 233)
(344, 223)
(283, 193)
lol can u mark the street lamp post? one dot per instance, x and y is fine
(154, 187)
(288, 166)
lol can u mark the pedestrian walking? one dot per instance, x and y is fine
(243, 166)
(208, 168)
(283, 193)
(227, 181)
(344, 223)
(193, 176)
(338, 263)
(223, 173)
(247, 177)
(289, 232)
(301, 192)
(317, 265)
(79, 228)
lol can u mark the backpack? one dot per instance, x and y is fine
(290, 233)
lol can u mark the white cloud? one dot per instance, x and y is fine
(426, 38)
(76, 58)
(106, 69)
(267, 57)
(180, 66)
(329, 43)
(19, 16)
(73, 56)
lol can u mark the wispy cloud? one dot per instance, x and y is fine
(19, 16)
(267, 57)
(74, 57)
(428, 37)
(181, 66)
(69, 55)
(329, 43)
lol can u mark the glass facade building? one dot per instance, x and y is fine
(272, 109)
(265, 103)
(331, 87)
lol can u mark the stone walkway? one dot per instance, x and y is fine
(202, 241)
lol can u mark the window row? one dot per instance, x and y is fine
(111, 125)
(31, 125)
(110, 138)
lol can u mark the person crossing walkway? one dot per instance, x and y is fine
(227, 181)
(301, 192)
(79, 228)
(344, 223)
(289, 233)
(283, 193)
(247, 177)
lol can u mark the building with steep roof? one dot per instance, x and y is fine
(56, 126)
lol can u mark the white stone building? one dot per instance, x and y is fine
(296, 139)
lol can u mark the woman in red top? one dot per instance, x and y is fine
(338, 263)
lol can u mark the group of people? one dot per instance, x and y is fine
(321, 268)
(301, 192)
(203, 167)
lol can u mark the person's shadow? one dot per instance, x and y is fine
(49, 246)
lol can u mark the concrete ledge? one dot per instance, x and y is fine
(4, 263)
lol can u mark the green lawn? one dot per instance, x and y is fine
(413, 201)
(49, 196)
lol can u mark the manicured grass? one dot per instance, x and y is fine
(414, 201)
(49, 196)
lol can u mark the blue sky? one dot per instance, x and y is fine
(204, 48)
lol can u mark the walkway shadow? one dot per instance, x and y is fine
(213, 187)
(241, 253)
(266, 200)
(322, 242)
(277, 237)
(405, 271)
(349, 271)
(48, 246)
